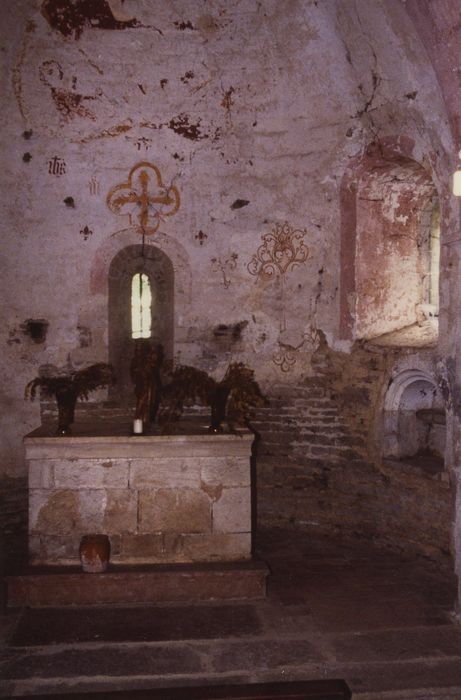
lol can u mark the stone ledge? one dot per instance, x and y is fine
(148, 447)
(57, 586)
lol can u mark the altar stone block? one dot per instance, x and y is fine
(160, 498)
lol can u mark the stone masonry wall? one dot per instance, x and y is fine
(318, 466)
(13, 506)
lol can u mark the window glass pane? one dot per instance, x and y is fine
(141, 306)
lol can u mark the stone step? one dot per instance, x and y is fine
(90, 668)
(51, 586)
(413, 694)
(320, 689)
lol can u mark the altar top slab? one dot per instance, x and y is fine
(103, 439)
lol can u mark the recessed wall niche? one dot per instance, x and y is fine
(414, 421)
(390, 249)
(151, 263)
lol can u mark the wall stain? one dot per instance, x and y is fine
(91, 62)
(187, 76)
(239, 203)
(183, 127)
(73, 16)
(68, 103)
(150, 125)
(225, 266)
(207, 25)
(85, 339)
(13, 337)
(232, 331)
(183, 25)
(36, 329)
(111, 132)
(227, 100)
(16, 74)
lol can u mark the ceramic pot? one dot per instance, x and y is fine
(94, 553)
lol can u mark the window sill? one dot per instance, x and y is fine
(425, 466)
(415, 336)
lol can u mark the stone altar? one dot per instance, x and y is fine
(166, 499)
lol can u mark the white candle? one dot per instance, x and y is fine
(137, 426)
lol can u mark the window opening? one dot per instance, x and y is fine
(141, 305)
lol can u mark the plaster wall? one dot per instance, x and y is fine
(255, 113)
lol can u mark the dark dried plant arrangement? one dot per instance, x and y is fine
(244, 393)
(67, 388)
(187, 385)
(81, 382)
(230, 399)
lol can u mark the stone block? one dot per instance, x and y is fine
(216, 547)
(139, 548)
(54, 549)
(85, 511)
(227, 471)
(213, 489)
(174, 511)
(53, 512)
(232, 512)
(172, 546)
(41, 475)
(181, 473)
(121, 512)
(92, 506)
(90, 473)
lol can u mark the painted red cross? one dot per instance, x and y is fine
(148, 206)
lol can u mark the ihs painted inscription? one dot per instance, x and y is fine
(93, 186)
(143, 141)
(144, 198)
(56, 166)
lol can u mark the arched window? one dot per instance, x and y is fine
(141, 306)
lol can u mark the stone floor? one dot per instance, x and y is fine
(380, 620)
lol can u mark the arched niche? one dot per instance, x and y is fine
(389, 245)
(414, 420)
(158, 268)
